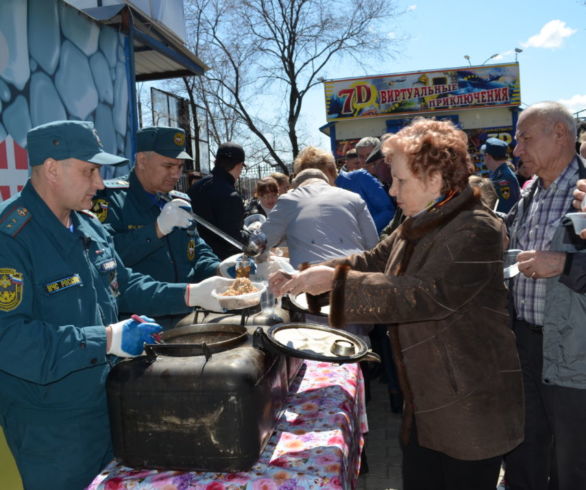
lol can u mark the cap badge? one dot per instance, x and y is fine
(179, 139)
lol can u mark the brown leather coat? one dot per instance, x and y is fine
(438, 279)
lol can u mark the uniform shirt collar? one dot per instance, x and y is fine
(501, 169)
(566, 179)
(146, 198)
(49, 222)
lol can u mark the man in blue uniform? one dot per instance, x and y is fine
(503, 178)
(152, 234)
(61, 287)
(371, 190)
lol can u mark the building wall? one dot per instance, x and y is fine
(479, 124)
(485, 118)
(469, 119)
(167, 12)
(57, 64)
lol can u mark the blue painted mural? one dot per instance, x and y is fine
(55, 63)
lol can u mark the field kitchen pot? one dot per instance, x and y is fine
(209, 396)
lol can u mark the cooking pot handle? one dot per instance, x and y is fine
(151, 350)
(371, 356)
(261, 341)
(151, 355)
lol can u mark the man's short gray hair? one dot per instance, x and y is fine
(309, 174)
(368, 141)
(554, 112)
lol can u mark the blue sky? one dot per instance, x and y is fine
(552, 35)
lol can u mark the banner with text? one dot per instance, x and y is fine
(449, 89)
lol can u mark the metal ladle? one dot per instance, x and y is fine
(257, 242)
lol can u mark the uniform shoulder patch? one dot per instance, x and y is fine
(100, 208)
(116, 184)
(89, 213)
(179, 195)
(14, 220)
(10, 289)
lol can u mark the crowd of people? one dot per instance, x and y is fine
(404, 241)
(491, 371)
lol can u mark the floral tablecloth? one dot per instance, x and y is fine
(317, 443)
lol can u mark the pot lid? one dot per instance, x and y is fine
(316, 342)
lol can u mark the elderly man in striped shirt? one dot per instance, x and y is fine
(549, 305)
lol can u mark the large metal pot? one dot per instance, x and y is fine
(209, 396)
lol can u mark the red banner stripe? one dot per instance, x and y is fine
(3, 157)
(20, 157)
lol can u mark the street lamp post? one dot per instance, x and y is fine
(467, 58)
(490, 58)
(517, 51)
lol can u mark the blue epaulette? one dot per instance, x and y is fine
(14, 220)
(179, 195)
(116, 184)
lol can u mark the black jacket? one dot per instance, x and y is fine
(253, 207)
(215, 199)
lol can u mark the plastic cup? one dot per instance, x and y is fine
(578, 221)
(510, 257)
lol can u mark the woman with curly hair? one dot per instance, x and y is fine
(438, 280)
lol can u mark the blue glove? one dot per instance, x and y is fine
(129, 336)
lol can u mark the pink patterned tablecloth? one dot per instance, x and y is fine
(317, 443)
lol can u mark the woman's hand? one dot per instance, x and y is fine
(315, 280)
(278, 279)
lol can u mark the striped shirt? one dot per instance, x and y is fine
(535, 231)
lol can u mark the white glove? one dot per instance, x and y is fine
(200, 294)
(175, 213)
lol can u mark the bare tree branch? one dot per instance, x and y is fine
(260, 49)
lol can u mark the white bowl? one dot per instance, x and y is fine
(301, 302)
(241, 301)
(227, 267)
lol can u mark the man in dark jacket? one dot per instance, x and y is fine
(215, 199)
